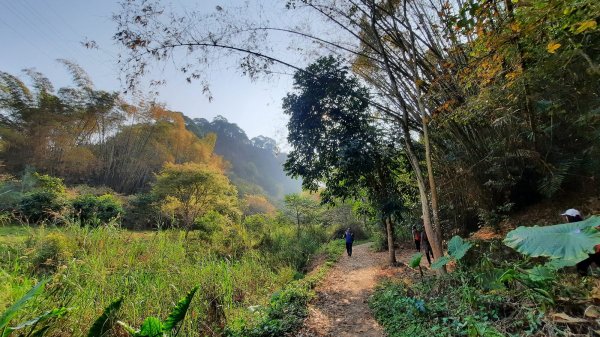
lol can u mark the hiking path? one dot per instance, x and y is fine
(341, 308)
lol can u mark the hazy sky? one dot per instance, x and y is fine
(34, 33)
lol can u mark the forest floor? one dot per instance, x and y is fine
(341, 306)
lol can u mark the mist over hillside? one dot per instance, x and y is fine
(256, 164)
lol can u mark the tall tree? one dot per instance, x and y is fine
(302, 209)
(335, 142)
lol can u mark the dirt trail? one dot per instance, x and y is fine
(341, 307)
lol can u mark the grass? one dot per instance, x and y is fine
(288, 307)
(90, 268)
(13, 234)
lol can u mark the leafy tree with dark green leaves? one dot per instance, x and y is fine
(336, 143)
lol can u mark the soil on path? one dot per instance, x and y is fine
(341, 306)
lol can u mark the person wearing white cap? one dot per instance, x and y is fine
(573, 215)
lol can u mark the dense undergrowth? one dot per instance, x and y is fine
(89, 268)
(493, 292)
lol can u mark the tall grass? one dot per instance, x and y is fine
(90, 268)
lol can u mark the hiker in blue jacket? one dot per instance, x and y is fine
(349, 236)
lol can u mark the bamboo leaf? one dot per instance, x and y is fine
(585, 25)
(552, 47)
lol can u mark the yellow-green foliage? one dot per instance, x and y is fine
(93, 267)
(51, 250)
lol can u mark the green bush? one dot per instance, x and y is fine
(91, 209)
(141, 212)
(44, 198)
(39, 206)
(379, 241)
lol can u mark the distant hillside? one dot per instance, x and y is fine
(257, 166)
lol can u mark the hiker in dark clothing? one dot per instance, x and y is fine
(573, 215)
(426, 246)
(417, 237)
(349, 236)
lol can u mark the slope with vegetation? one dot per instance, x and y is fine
(106, 204)
(256, 164)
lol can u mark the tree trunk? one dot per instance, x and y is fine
(436, 244)
(390, 239)
(437, 228)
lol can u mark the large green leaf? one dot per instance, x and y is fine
(151, 327)
(439, 263)
(8, 314)
(178, 313)
(55, 313)
(103, 323)
(570, 241)
(457, 247)
(415, 261)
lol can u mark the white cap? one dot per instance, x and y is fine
(572, 212)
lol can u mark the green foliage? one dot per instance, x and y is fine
(402, 315)
(457, 248)
(9, 313)
(91, 209)
(568, 243)
(288, 308)
(142, 211)
(440, 262)
(154, 327)
(92, 266)
(178, 313)
(188, 191)
(45, 182)
(34, 323)
(36, 328)
(415, 261)
(104, 322)
(39, 206)
(50, 251)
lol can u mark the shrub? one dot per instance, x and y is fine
(91, 209)
(45, 198)
(379, 241)
(39, 206)
(142, 212)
